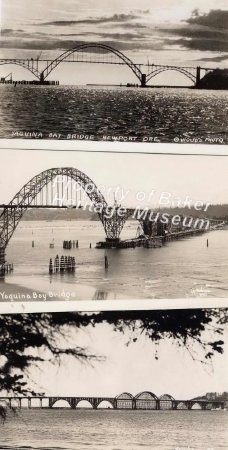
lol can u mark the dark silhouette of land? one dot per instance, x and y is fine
(216, 80)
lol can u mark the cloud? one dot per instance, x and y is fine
(214, 59)
(115, 18)
(56, 44)
(215, 18)
(125, 32)
(201, 32)
(203, 44)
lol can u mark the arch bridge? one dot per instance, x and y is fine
(102, 54)
(142, 401)
(68, 187)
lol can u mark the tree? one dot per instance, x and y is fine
(23, 334)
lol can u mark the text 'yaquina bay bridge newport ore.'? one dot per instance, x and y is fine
(97, 53)
(143, 401)
(43, 192)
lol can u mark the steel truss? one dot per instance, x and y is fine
(189, 72)
(29, 64)
(13, 213)
(53, 64)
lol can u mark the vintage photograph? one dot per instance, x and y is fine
(106, 226)
(114, 380)
(133, 71)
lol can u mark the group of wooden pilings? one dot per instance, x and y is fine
(68, 245)
(6, 268)
(62, 264)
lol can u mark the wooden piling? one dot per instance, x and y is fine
(50, 266)
(106, 262)
(62, 264)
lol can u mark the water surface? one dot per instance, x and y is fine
(149, 115)
(179, 269)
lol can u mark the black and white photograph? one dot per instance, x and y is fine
(114, 71)
(114, 380)
(106, 226)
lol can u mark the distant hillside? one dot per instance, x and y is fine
(213, 212)
(58, 214)
(223, 396)
(218, 79)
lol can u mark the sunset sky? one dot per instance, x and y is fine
(190, 32)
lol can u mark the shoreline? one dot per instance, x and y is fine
(13, 292)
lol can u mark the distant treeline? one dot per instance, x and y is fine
(221, 397)
(214, 212)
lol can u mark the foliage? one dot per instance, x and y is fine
(23, 334)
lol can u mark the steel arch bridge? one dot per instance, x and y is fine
(29, 64)
(189, 72)
(33, 65)
(143, 401)
(26, 198)
(37, 193)
(14, 211)
(127, 61)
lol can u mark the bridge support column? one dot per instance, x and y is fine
(2, 260)
(73, 403)
(143, 80)
(112, 242)
(198, 76)
(94, 403)
(42, 78)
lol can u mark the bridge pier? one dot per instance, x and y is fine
(143, 80)
(198, 76)
(2, 260)
(112, 242)
(41, 78)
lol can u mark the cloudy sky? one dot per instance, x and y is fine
(189, 32)
(133, 368)
(201, 177)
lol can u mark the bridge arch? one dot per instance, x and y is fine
(26, 64)
(105, 404)
(61, 403)
(146, 400)
(181, 70)
(124, 401)
(92, 45)
(84, 403)
(13, 213)
(196, 405)
(166, 401)
(181, 405)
